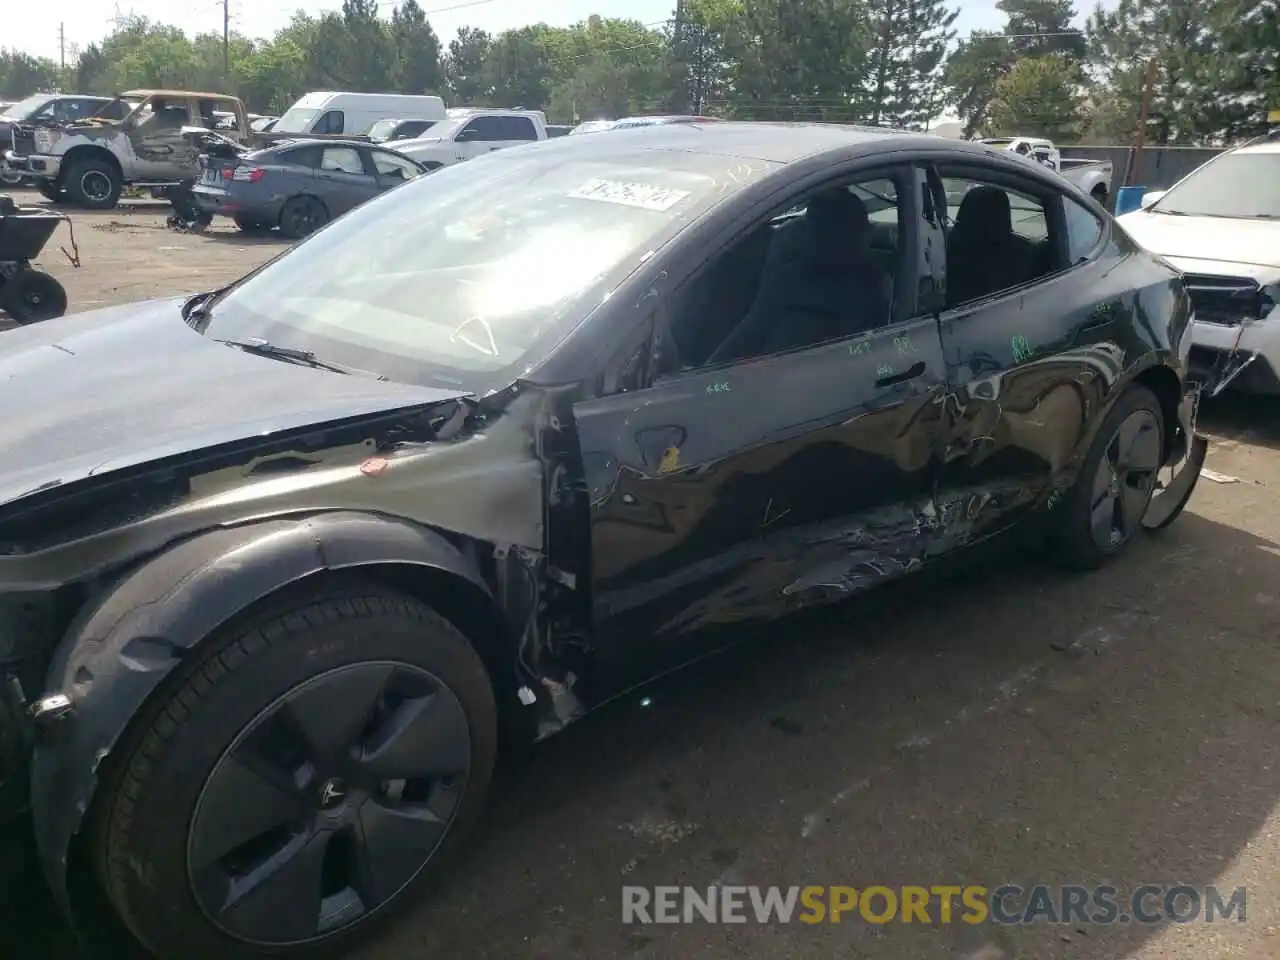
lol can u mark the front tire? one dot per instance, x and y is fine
(308, 773)
(94, 184)
(1102, 512)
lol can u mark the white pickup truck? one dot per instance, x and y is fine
(470, 132)
(1091, 176)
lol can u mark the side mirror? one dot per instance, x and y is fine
(1151, 197)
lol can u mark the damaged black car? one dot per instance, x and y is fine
(280, 563)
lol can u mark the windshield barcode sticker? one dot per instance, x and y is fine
(643, 195)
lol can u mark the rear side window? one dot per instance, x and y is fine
(412, 128)
(112, 110)
(497, 129)
(334, 121)
(342, 160)
(301, 157)
(1084, 231)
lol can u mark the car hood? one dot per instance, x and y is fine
(96, 392)
(1208, 240)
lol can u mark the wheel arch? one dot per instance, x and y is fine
(1167, 387)
(89, 151)
(117, 656)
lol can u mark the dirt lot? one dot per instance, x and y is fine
(129, 254)
(1010, 724)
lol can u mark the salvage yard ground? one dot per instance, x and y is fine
(1004, 724)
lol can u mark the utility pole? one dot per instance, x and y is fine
(62, 45)
(226, 40)
(1144, 116)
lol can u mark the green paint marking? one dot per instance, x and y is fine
(862, 346)
(721, 387)
(884, 370)
(905, 346)
(1021, 348)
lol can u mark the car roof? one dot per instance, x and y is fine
(321, 142)
(178, 93)
(770, 142)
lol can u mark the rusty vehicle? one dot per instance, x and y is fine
(90, 161)
(268, 605)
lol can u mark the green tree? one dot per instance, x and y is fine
(417, 66)
(699, 62)
(22, 75)
(1039, 27)
(1032, 28)
(1040, 96)
(802, 60)
(1175, 39)
(972, 72)
(465, 66)
(905, 82)
(369, 54)
(607, 68)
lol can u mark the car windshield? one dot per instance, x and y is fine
(1244, 186)
(297, 120)
(25, 108)
(495, 261)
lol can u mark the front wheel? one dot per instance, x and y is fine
(94, 184)
(1103, 510)
(309, 771)
(302, 216)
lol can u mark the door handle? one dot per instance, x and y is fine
(915, 370)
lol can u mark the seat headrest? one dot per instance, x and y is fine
(985, 212)
(837, 225)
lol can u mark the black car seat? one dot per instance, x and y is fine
(983, 253)
(831, 286)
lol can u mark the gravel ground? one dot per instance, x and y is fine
(1003, 724)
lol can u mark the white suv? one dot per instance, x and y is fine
(1220, 226)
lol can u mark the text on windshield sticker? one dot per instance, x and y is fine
(643, 195)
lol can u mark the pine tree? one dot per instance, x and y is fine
(905, 82)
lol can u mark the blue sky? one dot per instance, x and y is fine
(35, 29)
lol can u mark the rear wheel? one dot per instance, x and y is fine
(302, 216)
(1103, 511)
(1099, 193)
(30, 296)
(94, 184)
(300, 781)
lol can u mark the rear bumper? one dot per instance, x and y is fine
(224, 203)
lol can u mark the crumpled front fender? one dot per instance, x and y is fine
(120, 650)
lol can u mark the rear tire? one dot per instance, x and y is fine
(1103, 511)
(302, 216)
(1099, 193)
(297, 716)
(94, 184)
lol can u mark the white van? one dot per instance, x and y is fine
(352, 114)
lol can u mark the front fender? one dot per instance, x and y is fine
(119, 650)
